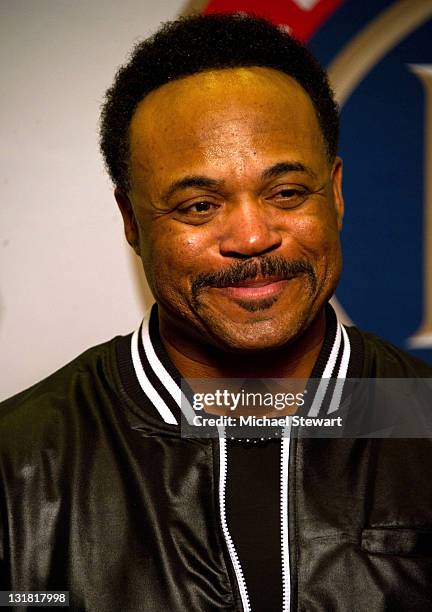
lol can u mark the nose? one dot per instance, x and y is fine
(249, 230)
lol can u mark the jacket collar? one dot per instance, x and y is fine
(153, 382)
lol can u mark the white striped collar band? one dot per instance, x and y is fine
(160, 381)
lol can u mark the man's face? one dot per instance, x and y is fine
(236, 210)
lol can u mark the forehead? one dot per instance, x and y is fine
(213, 115)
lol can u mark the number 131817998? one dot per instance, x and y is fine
(34, 598)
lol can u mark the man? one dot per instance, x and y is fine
(220, 135)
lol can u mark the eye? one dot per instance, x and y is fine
(289, 196)
(197, 212)
(289, 193)
(200, 207)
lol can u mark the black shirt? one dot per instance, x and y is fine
(254, 520)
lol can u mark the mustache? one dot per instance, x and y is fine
(265, 266)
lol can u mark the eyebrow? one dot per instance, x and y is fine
(190, 181)
(284, 167)
(204, 181)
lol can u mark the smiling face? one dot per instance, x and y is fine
(235, 209)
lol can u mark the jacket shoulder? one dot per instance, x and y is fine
(383, 359)
(49, 405)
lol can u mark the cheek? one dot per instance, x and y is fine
(317, 236)
(172, 257)
(327, 251)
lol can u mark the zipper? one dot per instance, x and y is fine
(223, 471)
(286, 583)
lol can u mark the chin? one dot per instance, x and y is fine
(256, 335)
(257, 325)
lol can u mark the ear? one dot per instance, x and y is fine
(129, 221)
(337, 190)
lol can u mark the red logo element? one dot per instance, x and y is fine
(303, 17)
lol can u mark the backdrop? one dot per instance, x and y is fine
(69, 280)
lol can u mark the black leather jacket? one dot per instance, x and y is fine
(99, 495)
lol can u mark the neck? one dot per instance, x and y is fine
(294, 360)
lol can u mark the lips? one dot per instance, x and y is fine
(256, 288)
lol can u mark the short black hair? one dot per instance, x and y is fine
(198, 43)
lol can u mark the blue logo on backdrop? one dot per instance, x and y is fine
(379, 55)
